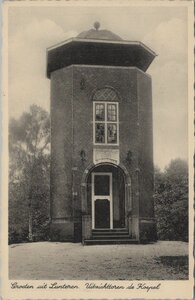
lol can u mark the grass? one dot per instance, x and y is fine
(175, 264)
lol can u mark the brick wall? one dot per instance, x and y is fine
(61, 143)
(72, 131)
(145, 144)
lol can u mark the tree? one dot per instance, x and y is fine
(171, 201)
(29, 152)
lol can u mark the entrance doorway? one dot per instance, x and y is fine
(102, 204)
(106, 197)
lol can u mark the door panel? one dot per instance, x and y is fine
(102, 185)
(102, 207)
(102, 213)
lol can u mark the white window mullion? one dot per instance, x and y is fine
(94, 122)
(117, 125)
(105, 123)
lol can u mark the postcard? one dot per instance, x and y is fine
(97, 150)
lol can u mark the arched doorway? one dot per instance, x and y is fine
(106, 197)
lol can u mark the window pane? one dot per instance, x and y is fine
(111, 111)
(112, 133)
(102, 185)
(99, 133)
(99, 112)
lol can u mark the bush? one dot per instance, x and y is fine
(171, 201)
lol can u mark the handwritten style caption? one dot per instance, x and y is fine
(87, 285)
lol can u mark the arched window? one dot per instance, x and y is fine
(105, 117)
(105, 94)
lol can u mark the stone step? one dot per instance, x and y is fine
(110, 230)
(110, 241)
(110, 233)
(110, 236)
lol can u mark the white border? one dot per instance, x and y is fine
(172, 289)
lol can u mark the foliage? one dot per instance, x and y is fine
(171, 201)
(29, 156)
(29, 186)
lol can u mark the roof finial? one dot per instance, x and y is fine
(96, 25)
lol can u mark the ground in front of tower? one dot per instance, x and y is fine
(164, 260)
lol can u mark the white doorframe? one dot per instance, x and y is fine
(95, 197)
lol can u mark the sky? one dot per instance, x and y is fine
(164, 29)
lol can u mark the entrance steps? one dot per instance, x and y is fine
(110, 236)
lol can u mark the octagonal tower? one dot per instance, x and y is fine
(101, 140)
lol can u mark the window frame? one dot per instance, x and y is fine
(105, 122)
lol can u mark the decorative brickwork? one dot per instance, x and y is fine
(105, 94)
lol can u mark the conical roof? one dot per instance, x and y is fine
(97, 34)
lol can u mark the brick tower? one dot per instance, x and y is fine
(101, 140)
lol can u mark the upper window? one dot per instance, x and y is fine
(105, 123)
(105, 117)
